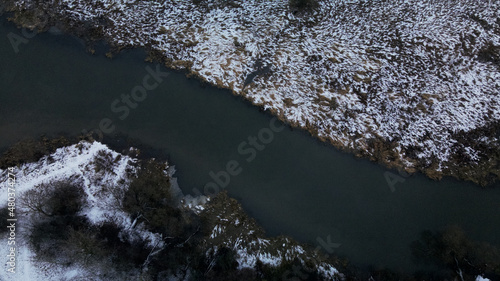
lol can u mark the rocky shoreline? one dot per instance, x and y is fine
(414, 86)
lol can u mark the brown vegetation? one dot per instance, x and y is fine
(30, 151)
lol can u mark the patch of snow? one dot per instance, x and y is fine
(102, 189)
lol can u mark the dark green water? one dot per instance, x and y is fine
(296, 186)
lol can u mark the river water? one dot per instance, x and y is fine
(295, 185)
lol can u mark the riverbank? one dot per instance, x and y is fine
(224, 242)
(397, 84)
(100, 231)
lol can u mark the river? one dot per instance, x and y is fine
(295, 185)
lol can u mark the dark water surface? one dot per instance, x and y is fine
(296, 186)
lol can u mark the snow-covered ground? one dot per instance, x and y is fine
(105, 175)
(233, 229)
(412, 74)
(77, 163)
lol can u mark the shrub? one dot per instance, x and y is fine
(30, 151)
(303, 5)
(83, 246)
(103, 162)
(225, 260)
(4, 215)
(287, 270)
(65, 241)
(490, 53)
(48, 237)
(453, 250)
(123, 254)
(61, 198)
(148, 199)
(57, 204)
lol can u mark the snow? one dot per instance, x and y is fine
(246, 260)
(195, 204)
(76, 162)
(251, 247)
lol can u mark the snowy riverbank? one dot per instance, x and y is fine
(105, 176)
(411, 84)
